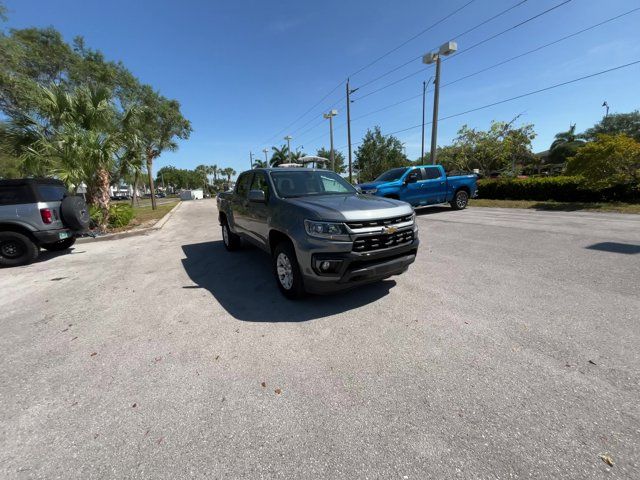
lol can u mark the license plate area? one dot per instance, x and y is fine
(63, 235)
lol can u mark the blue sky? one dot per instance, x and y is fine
(245, 70)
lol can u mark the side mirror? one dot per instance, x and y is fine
(257, 196)
(411, 178)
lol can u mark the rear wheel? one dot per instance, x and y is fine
(460, 200)
(287, 271)
(230, 239)
(16, 249)
(60, 245)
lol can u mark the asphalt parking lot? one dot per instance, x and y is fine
(511, 349)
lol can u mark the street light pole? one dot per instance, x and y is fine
(445, 49)
(434, 124)
(266, 162)
(251, 159)
(330, 116)
(424, 96)
(288, 139)
(349, 129)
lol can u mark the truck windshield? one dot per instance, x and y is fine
(391, 175)
(300, 183)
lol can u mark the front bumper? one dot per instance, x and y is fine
(356, 268)
(53, 236)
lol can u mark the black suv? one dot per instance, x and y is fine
(37, 213)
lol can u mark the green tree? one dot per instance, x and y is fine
(608, 161)
(162, 124)
(279, 156)
(338, 158)
(378, 153)
(616, 123)
(565, 145)
(260, 163)
(499, 149)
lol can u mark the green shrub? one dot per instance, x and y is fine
(559, 189)
(120, 215)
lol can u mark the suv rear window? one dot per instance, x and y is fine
(51, 193)
(15, 194)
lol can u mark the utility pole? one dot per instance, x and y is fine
(288, 139)
(266, 162)
(251, 159)
(445, 49)
(349, 92)
(424, 95)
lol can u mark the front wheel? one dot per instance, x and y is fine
(287, 271)
(60, 245)
(460, 200)
(16, 249)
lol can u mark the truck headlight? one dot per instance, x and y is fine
(330, 230)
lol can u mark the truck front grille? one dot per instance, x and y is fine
(379, 242)
(379, 223)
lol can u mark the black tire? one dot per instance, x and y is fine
(16, 249)
(75, 213)
(231, 240)
(460, 200)
(60, 245)
(294, 288)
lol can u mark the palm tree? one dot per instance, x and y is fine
(260, 164)
(565, 137)
(279, 156)
(202, 171)
(565, 145)
(214, 171)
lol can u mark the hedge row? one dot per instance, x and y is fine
(560, 189)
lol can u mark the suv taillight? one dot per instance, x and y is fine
(46, 214)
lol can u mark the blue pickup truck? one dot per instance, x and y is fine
(423, 185)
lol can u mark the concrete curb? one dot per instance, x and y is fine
(132, 233)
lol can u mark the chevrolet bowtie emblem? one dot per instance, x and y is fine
(389, 230)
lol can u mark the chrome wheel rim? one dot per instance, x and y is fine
(225, 235)
(285, 271)
(461, 199)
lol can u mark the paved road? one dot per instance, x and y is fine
(510, 350)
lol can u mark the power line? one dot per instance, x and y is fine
(435, 24)
(503, 62)
(413, 59)
(499, 102)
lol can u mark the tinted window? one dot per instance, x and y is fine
(431, 172)
(300, 183)
(260, 183)
(391, 175)
(242, 187)
(14, 195)
(51, 193)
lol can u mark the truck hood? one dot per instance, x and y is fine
(351, 207)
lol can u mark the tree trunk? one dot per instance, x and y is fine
(134, 196)
(101, 196)
(151, 186)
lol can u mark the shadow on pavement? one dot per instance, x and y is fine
(615, 247)
(46, 255)
(244, 285)
(432, 209)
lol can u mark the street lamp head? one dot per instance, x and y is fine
(332, 113)
(288, 137)
(448, 48)
(429, 58)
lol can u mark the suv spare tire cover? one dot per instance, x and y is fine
(75, 213)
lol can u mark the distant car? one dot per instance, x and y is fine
(161, 195)
(424, 185)
(38, 213)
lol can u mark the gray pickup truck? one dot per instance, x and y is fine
(323, 236)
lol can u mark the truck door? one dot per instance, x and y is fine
(259, 212)
(240, 203)
(434, 185)
(411, 190)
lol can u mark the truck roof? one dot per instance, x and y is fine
(30, 181)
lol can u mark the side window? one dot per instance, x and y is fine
(51, 193)
(260, 183)
(431, 173)
(15, 195)
(242, 186)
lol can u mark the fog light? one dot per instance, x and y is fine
(325, 266)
